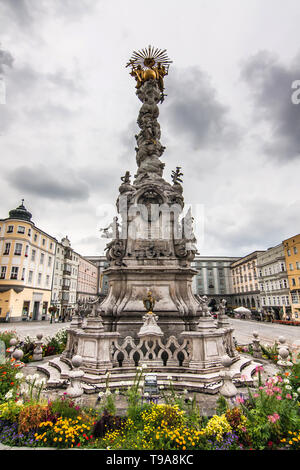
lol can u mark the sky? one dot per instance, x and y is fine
(68, 114)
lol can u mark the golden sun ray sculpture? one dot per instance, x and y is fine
(148, 64)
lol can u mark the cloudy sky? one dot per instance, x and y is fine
(67, 127)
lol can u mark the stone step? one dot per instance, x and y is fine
(53, 375)
(62, 367)
(239, 365)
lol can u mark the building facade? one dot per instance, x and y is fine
(292, 260)
(26, 268)
(64, 288)
(101, 263)
(213, 278)
(273, 282)
(87, 281)
(245, 282)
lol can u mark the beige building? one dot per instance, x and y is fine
(87, 281)
(64, 288)
(26, 267)
(245, 282)
(273, 282)
(292, 259)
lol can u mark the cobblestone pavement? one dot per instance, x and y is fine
(243, 330)
(268, 332)
(32, 328)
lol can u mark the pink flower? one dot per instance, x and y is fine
(261, 388)
(240, 400)
(279, 378)
(269, 392)
(289, 396)
(271, 419)
(276, 416)
(277, 389)
(256, 395)
(259, 369)
(278, 397)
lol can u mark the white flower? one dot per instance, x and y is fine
(288, 387)
(298, 390)
(144, 366)
(139, 369)
(107, 393)
(100, 394)
(107, 374)
(117, 391)
(146, 394)
(161, 387)
(19, 375)
(169, 377)
(122, 384)
(19, 402)
(9, 394)
(42, 381)
(185, 391)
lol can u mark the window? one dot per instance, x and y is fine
(10, 229)
(29, 232)
(14, 272)
(39, 278)
(33, 255)
(3, 272)
(43, 241)
(21, 229)
(51, 245)
(18, 249)
(42, 258)
(289, 252)
(47, 280)
(49, 261)
(293, 282)
(297, 264)
(26, 250)
(6, 249)
(291, 267)
(295, 250)
(285, 283)
(23, 274)
(30, 274)
(35, 237)
(282, 267)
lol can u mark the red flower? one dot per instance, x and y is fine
(78, 445)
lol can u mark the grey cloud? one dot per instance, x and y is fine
(25, 12)
(252, 226)
(17, 10)
(59, 184)
(194, 110)
(270, 85)
(6, 59)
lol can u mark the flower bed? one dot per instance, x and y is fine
(287, 322)
(51, 346)
(267, 418)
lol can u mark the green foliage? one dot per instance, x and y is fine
(222, 405)
(7, 335)
(64, 407)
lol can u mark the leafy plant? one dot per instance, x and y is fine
(64, 407)
(31, 416)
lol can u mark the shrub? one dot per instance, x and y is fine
(64, 407)
(66, 432)
(106, 423)
(31, 416)
(7, 335)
